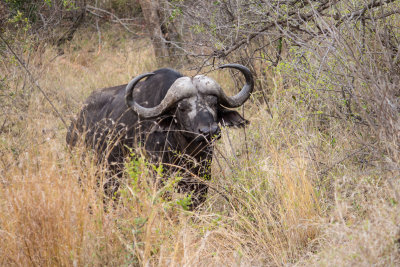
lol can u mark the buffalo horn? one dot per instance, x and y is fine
(181, 88)
(238, 99)
(129, 91)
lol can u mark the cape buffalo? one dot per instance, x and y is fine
(173, 118)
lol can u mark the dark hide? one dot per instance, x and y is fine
(109, 126)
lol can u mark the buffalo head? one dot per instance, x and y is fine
(197, 104)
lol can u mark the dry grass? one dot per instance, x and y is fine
(295, 197)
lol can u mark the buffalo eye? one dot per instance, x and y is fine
(183, 106)
(211, 100)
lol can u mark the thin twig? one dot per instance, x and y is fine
(88, 7)
(34, 81)
(343, 159)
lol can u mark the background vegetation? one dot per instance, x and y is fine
(313, 180)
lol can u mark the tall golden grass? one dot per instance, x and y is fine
(283, 193)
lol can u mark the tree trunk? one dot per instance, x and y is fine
(150, 9)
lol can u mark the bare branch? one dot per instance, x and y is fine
(91, 10)
(33, 80)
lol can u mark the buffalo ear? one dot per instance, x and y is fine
(231, 118)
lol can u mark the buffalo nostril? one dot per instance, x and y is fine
(210, 131)
(204, 130)
(214, 129)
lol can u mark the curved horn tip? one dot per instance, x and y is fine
(144, 75)
(239, 99)
(232, 65)
(137, 79)
(131, 85)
